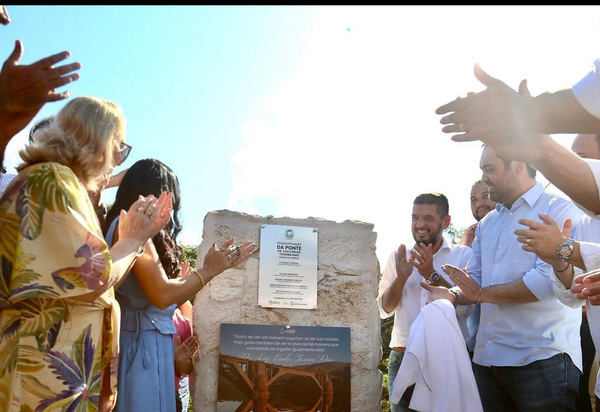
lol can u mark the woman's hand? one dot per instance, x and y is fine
(226, 256)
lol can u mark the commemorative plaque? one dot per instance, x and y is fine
(288, 267)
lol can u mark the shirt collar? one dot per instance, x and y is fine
(530, 197)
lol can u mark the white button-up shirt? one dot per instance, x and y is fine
(519, 334)
(587, 90)
(414, 296)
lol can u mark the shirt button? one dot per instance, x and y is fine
(490, 323)
(489, 341)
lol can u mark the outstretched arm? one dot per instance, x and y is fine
(24, 89)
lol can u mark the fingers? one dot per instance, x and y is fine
(485, 78)
(531, 223)
(15, 56)
(547, 219)
(67, 68)
(566, 230)
(50, 61)
(4, 17)
(523, 89)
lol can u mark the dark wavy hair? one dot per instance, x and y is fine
(152, 177)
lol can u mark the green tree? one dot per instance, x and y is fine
(189, 254)
(453, 234)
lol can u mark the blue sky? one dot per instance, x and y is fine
(305, 111)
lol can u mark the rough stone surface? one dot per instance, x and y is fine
(348, 276)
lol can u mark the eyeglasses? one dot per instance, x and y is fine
(124, 151)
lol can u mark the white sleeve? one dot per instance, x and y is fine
(564, 295)
(388, 277)
(587, 90)
(590, 254)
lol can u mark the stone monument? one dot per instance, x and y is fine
(348, 277)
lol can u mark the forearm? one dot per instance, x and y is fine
(509, 293)
(170, 291)
(569, 173)
(184, 367)
(564, 272)
(561, 112)
(392, 296)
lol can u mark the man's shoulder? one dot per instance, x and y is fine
(455, 249)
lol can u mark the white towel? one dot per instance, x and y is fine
(437, 362)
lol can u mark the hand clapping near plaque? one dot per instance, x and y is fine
(149, 298)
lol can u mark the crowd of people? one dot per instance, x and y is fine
(94, 303)
(534, 256)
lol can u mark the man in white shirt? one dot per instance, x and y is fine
(527, 355)
(400, 293)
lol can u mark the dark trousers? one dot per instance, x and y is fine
(546, 385)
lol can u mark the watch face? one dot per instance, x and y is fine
(434, 277)
(565, 251)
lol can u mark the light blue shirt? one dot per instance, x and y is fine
(519, 334)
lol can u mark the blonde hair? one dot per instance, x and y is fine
(84, 136)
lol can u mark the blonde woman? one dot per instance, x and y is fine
(59, 323)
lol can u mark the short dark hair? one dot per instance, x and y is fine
(530, 169)
(434, 198)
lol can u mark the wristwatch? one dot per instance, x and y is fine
(565, 250)
(435, 277)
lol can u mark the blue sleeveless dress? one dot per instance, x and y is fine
(146, 369)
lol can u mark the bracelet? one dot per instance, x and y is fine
(201, 278)
(561, 271)
(480, 289)
(455, 293)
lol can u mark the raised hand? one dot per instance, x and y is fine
(136, 224)
(24, 89)
(542, 238)
(227, 255)
(403, 267)
(587, 286)
(421, 257)
(461, 278)
(187, 349)
(499, 116)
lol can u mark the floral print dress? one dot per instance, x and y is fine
(57, 353)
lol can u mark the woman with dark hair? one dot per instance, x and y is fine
(146, 376)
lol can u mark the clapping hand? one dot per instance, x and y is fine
(227, 255)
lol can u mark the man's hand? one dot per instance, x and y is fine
(403, 267)
(438, 292)
(421, 257)
(24, 89)
(469, 286)
(544, 238)
(499, 116)
(468, 236)
(587, 286)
